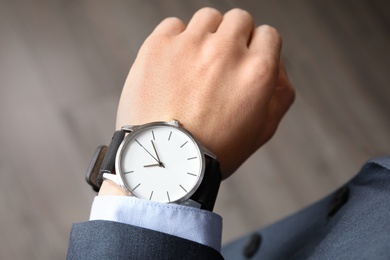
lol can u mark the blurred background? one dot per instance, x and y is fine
(62, 68)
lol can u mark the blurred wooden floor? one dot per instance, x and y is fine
(62, 67)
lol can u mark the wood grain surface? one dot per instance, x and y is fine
(62, 68)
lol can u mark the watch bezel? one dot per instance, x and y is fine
(135, 130)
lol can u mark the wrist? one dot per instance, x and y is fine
(110, 188)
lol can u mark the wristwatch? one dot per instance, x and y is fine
(160, 162)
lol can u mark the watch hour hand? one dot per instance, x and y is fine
(158, 158)
(152, 165)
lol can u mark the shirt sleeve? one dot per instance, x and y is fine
(190, 223)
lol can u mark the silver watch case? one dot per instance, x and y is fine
(134, 129)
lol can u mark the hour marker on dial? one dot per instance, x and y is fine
(191, 174)
(182, 188)
(191, 158)
(136, 186)
(128, 172)
(169, 199)
(151, 195)
(183, 144)
(170, 134)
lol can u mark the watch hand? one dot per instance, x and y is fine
(159, 161)
(152, 165)
(147, 151)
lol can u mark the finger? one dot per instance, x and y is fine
(170, 26)
(266, 43)
(206, 20)
(237, 24)
(279, 104)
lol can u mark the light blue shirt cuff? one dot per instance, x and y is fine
(190, 223)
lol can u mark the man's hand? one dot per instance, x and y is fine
(221, 77)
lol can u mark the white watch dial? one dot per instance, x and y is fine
(160, 163)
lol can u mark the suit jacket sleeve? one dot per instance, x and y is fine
(112, 240)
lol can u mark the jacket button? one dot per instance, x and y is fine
(340, 198)
(252, 245)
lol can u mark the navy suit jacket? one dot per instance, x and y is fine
(351, 223)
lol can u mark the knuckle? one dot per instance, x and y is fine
(209, 11)
(240, 15)
(171, 19)
(271, 32)
(240, 12)
(172, 22)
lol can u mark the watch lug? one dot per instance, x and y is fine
(209, 153)
(128, 128)
(191, 203)
(114, 178)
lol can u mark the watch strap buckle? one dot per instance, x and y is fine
(93, 171)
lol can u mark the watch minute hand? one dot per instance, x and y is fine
(147, 151)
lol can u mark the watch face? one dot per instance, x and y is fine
(160, 162)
